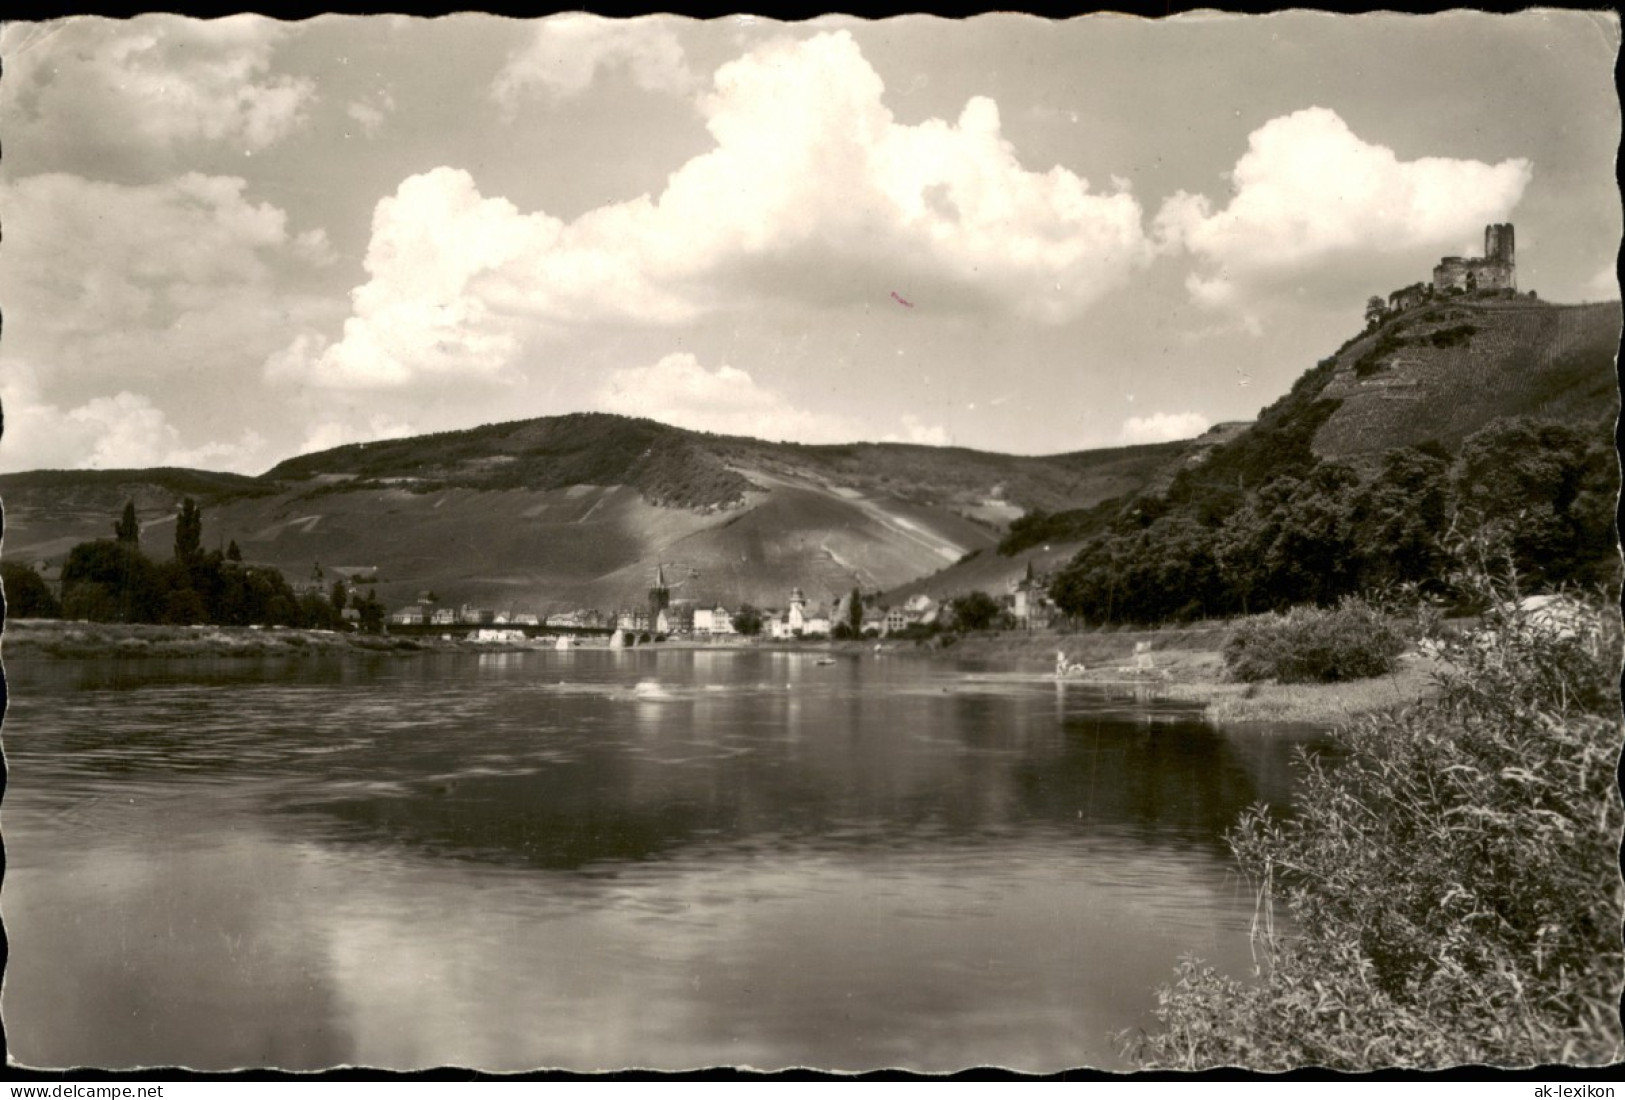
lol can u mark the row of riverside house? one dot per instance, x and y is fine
(1025, 604)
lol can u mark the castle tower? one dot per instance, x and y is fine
(1498, 242)
(1497, 270)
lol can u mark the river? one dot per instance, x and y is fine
(601, 860)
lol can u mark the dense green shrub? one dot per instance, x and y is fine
(1038, 526)
(1372, 361)
(106, 580)
(1551, 489)
(1454, 336)
(975, 610)
(1451, 875)
(1309, 645)
(918, 633)
(27, 594)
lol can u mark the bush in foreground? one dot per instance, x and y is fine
(1309, 645)
(27, 594)
(1452, 879)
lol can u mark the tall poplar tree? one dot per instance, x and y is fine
(128, 529)
(188, 532)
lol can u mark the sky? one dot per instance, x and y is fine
(229, 242)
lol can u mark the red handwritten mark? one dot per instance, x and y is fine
(900, 300)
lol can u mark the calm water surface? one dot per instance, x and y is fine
(598, 860)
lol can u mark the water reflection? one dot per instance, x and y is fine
(598, 859)
(199, 957)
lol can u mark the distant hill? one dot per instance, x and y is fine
(48, 511)
(569, 511)
(665, 465)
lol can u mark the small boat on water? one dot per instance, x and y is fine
(825, 661)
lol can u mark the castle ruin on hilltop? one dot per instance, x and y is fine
(1496, 270)
(1495, 274)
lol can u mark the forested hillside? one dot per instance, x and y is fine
(1490, 418)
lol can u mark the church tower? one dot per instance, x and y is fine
(659, 596)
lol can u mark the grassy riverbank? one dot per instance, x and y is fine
(1452, 880)
(47, 638)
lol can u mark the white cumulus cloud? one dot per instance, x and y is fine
(812, 195)
(564, 54)
(681, 391)
(334, 433)
(103, 276)
(1163, 427)
(421, 313)
(90, 252)
(156, 79)
(916, 430)
(370, 113)
(162, 295)
(1309, 191)
(125, 430)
